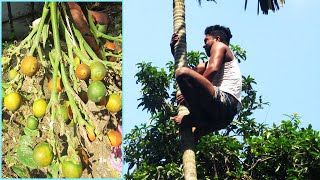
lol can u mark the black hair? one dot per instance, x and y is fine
(223, 32)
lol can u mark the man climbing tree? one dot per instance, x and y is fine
(211, 90)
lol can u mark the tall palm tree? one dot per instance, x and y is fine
(180, 56)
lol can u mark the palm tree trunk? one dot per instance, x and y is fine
(180, 56)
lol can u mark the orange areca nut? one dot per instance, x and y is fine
(59, 85)
(29, 66)
(114, 138)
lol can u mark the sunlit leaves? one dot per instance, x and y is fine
(292, 151)
(219, 156)
(154, 87)
(239, 53)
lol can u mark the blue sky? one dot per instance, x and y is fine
(282, 51)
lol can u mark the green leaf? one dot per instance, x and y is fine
(10, 160)
(54, 169)
(268, 135)
(48, 176)
(21, 171)
(25, 140)
(30, 132)
(5, 85)
(24, 155)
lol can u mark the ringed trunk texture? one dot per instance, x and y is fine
(180, 56)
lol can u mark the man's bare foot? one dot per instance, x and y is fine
(178, 119)
(184, 120)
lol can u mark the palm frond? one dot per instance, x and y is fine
(199, 1)
(263, 5)
(245, 5)
(266, 5)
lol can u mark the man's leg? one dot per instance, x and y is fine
(198, 93)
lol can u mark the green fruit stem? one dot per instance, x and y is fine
(84, 43)
(70, 93)
(81, 40)
(36, 41)
(112, 65)
(57, 57)
(87, 48)
(38, 30)
(99, 34)
(68, 36)
(57, 53)
(84, 47)
(103, 52)
(72, 96)
(113, 55)
(71, 144)
(40, 55)
(21, 45)
(70, 59)
(67, 28)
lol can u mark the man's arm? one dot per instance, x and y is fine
(174, 40)
(200, 68)
(218, 51)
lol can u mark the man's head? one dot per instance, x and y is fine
(222, 32)
(216, 33)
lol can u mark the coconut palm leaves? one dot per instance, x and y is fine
(266, 5)
(263, 5)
